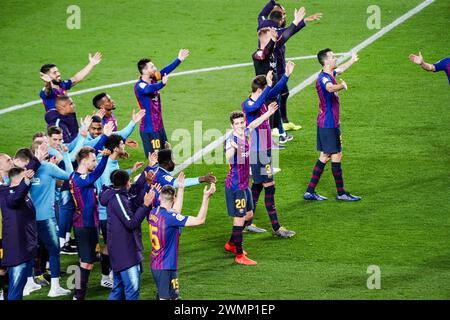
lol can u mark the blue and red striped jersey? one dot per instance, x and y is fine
(328, 102)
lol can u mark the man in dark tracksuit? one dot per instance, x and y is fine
(126, 207)
(20, 242)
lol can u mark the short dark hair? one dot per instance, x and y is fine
(113, 142)
(322, 55)
(120, 178)
(165, 156)
(96, 119)
(168, 192)
(96, 100)
(38, 134)
(61, 98)
(84, 153)
(276, 16)
(236, 115)
(46, 67)
(24, 154)
(53, 130)
(259, 82)
(15, 171)
(142, 64)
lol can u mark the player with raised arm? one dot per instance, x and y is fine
(53, 84)
(85, 219)
(165, 224)
(261, 145)
(148, 97)
(237, 190)
(442, 65)
(328, 125)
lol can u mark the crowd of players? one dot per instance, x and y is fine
(69, 180)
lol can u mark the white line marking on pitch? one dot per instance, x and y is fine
(313, 77)
(119, 84)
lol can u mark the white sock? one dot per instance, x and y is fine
(54, 284)
(30, 281)
(284, 134)
(62, 242)
(67, 236)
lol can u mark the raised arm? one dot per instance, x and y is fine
(275, 91)
(93, 61)
(419, 61)
(96, 174)
(128, 130)
(201, 216)
(264, 14)
(147, 88)
(127, 218)
(343, 67)
(17, 197)
(178, 205)
(257, 122)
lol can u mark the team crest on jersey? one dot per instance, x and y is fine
(83, 176)
(168, 178)
(250, 103)
(142, 85)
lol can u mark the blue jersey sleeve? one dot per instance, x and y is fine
(127, 131)
(441, 65)
(251, 107)
(66, 84)
(147, 88)
(176, 219)
(165, 179)
(90, 178)
(56, 172)
(168, 69)
(275, 91)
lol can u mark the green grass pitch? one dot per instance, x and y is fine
(395, 122)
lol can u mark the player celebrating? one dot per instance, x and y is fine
(148, 97)
(165, 223)
(54, 86)
(85, 219)
(261, 147)
(443, 65)
(103, 101)
(124, 229)
(328, 125)
(237, 191)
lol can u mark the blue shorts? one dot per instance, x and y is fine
(329, 140)
(261, 166)
(153, 141)
(166, 284)
(87, 240)
(239, 202)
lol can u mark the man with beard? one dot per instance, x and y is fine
(55, 86)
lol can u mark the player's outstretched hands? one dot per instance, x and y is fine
(153, 158)
(183, 54)
(269, 78)
(273, 34)
(148, 198)
(131, 143)
(314, 17)
(289, 68)
(209, 178)
(299, 15)
(94, 60)
(209, 192)
(85, 122)
(344, 84)
(105, 152)
(137, 166)
(28, 175)
(42, 151)
(108, 129)
(45, 77)
(100, 113)
(417, 59)
(149, 177)
(136, 117)
(165, 78)
(273, 107)
(180, 180)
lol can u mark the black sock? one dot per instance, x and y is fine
(283, 107)
(269, 200)
(317, 172)
(80, 294)
(256, 191)
(104, 261)
(236, 238)
(336, 169)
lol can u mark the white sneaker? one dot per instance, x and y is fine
(58, 292)
(107, 283)
(30, 287)
(1, 295)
